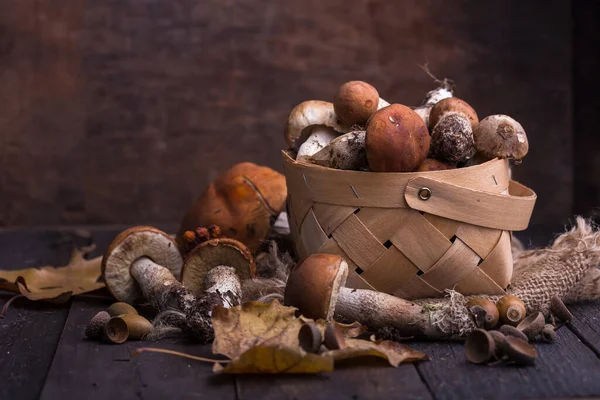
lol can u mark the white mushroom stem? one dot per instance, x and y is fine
(344, 152)
(154, 280)
(378, 310)
(224, 281)
(382, 103)
(436, 95)
(320, 137)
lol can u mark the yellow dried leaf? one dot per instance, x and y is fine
(395, 353)
(277, 360)
(56, 284)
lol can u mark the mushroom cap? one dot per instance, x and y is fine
(242, 202)
(355, 102)
(500, 136)
(452, 138)
(453, 104)
(306, 114)
(128, 246)
(480, 346)
(397, 140)
(212, 253)
(431, 164)
(519, 351)
(314, 284)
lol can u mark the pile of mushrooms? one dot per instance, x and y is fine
(361, 131)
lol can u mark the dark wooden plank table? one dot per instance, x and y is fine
(44, 354)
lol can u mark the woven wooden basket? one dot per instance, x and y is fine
(411, 234)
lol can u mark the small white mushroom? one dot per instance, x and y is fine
(319, 137)
(344, 152)
(308, 114)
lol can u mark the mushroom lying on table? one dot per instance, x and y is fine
(143, 263)
(316, 287)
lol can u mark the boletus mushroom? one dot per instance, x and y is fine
(452, 138)
(344, 152)
(315, 287)
(216, 266)
(453, 105)
(396, 140)
(355, 102)
(243, 202)
(502, 137)
(434, 96)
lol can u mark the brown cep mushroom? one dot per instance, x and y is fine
(397, 140)
(453, 105)
(452, 139)
(500, 136)
(355, 102)
(434, 96)
(315, 287)
(243, 202)
(216, 266)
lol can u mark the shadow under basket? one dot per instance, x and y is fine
(412, 234)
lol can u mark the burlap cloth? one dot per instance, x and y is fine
(568, 268)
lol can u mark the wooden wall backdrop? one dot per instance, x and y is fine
(121, 111)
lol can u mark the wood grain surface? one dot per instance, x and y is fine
(123, 111)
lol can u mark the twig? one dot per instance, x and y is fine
(7, 304)
(177, 353)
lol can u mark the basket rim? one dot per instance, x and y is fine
(289, 159)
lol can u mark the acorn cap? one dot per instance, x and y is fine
(519, 351)
(212, 253)
(306, 114)
(499, 340)
(452, 104)
(480, 346)
(355, 102)
(334, 337)
(95, 329)
(532, 325)
(127, 247)
(396, 140)
(310, 337)
(559, 309)
(491, 311)
(120, 308)
(127, 327)
(509, 330)
(314, 284)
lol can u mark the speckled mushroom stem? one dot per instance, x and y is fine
(378, 310)
(157, 283)
(225, 281)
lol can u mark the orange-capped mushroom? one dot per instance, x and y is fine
(242, 202)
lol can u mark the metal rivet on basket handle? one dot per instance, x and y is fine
(424, 193)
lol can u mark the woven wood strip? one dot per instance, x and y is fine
(420, 241)
(331, 215)
(311, 233)
(481, 240)
(455, 264)
(390, 271)
(356, 282)
(478, 282)
(417, 288)
(498, 265)
(385, 190)
(383, 222)
(356, 241)
(447, 227)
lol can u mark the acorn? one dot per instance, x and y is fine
(509, 330)
(127, 327)
(310, 337)
(480, 346)
(334, 337)
(95, 329)
(120, 308)
(519, 351)
(532, 325)
(511, 309)
(491, 311)
(559, 309)
(548, 334)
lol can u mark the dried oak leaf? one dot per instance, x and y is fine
(56, 284)
(263, 338)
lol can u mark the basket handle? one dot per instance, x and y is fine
(510, 211)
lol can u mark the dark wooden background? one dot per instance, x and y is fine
(121, 111)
